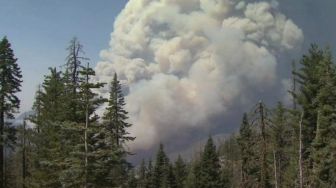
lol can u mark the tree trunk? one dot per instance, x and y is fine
(86, 128)
(294, 84)
(24, 170)
(264, 147)
(2, 171)
(300, 152)
(275, 170)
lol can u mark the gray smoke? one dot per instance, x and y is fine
(184, 62)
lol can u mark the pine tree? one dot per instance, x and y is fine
(311, 78)
(332, 148)
(247, 142)
(132, 182)
(292, 176)
(309, 88)
(37, 108)
(210, 172)
(24, 154)
(47, 141)
(48, 103)
(115, 116)
(91, 102)
(180, 172)
(263, 125)
(306, 96)
(10, 142)
(192, 181)
(150, 175)
(82, 156)
(110, 166)
(229, 152)
(281, 135)
(142, 174)
(161, 168)
(18, 158)
(171, 178)
(325, 132)
(11, 169)
(72, 78)
(115, 134)
(10, 84)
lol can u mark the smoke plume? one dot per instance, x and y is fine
(183, 62)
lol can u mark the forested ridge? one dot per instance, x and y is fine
(66, 143)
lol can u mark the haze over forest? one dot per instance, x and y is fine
(233, 93)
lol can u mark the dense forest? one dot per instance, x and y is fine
(65, 143)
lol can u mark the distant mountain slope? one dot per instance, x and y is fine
(19, 118)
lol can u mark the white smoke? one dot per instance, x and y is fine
(185, 61)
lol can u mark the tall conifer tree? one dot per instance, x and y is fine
(180, 172)
(247, 141)
(115, 135)
(322, 154)
(306, 96)
(210, 170)
(48, 116)
(161, 168)
(10, 85)
(281, 135)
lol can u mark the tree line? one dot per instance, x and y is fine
(65, 143)
(68, 144)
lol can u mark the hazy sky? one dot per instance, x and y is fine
(39, 31)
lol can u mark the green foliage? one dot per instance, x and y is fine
(115, 117)
(191, 180)
(10, 85)
(47, 141)
(72, 82)
(322, 155)
(249, 154)
(131, 180)
(209, 175)
(180, 172)
(10, 77)
(229, 152)
(150, 175)
(161, 167)
(309, 87)
(316, 96)
(109, 150)
(171, 179)
(282, 140)
(142, 175)
(71, 146)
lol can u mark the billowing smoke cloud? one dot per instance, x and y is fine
(186, 61)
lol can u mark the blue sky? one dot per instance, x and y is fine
(40, 30)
